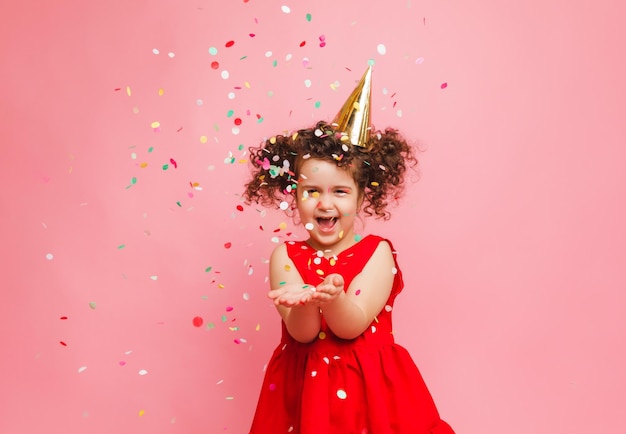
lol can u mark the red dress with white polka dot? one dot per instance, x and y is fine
(366, 385)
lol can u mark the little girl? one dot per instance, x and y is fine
(337, 369)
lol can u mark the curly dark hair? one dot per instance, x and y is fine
(378, 168)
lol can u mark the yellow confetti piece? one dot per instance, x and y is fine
(273, 140)
(204, 139)
(320, 272)
(258, 327)
(155, 124)
(128, 90)
(322, 335)
(340, 234)
(142, 412)
(247, 84)
(315, 194)
(332, 261)
(287, 267)
(143, 165)
(220, 285)
(161, 92)
(282, 226)
(375, 184)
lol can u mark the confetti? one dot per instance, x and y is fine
(228, 245)
(229, 44)
(82, 369)
(341, 394)
(143, 372)
(444, 85)
(285, 9)
(197, 321)
(92, 304)
(381, 49)
(49, 256)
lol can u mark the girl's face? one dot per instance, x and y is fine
(328, 201)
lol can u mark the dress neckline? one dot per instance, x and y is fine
(343, 252)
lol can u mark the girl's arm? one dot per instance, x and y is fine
(302, 319)
(349, 313)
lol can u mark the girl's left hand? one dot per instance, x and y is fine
(329, 289)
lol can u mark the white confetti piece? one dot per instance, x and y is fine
(381, 49)
(82, 369)
(309, 226)
(155, 50)
(49, 256)
(171, 55)
(142, 372)
(225, 75)
(341, 394)
(286, 9)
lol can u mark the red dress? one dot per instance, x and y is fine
(366, 385)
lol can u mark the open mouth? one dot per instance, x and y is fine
(326, 223)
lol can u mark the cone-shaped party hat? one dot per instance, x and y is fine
(353, 119)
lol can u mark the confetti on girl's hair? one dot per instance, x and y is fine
(197, 321)
(444, 85)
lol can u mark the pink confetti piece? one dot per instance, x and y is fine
(174, 163)
(444, 85)
(229, 308)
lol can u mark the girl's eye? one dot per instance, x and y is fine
(311, 190)
(341, 192)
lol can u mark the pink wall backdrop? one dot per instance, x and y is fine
(133, 283)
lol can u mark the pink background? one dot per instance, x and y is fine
(512, 242)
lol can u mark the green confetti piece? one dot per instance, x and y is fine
(210, 326)
(179, 204)
(133, 181)
(240, 147)
(274, 63)
(207, 269)
(121, 246)
(151, 148)
(224, 318)
(165, 166)
(216, 127)
(92, 304)
(358, 237)
(230, 113)
(317, 104)
(308, 17)
(259, 121)
(244, 57)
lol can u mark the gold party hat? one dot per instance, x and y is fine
(353, 119)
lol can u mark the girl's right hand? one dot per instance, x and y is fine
(292, 294)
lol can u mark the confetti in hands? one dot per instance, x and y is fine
(294, 294)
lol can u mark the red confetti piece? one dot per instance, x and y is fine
(63, 343)
(252, 35)
(228, 245)
(229, 44)
(237, 341)
(444, 85)
(215, 65)
(358, 291)
(229, 308)
(197, 321)
(174, 163)
(63, 317)
(237, 121)
(303, 43)
(239, 208)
